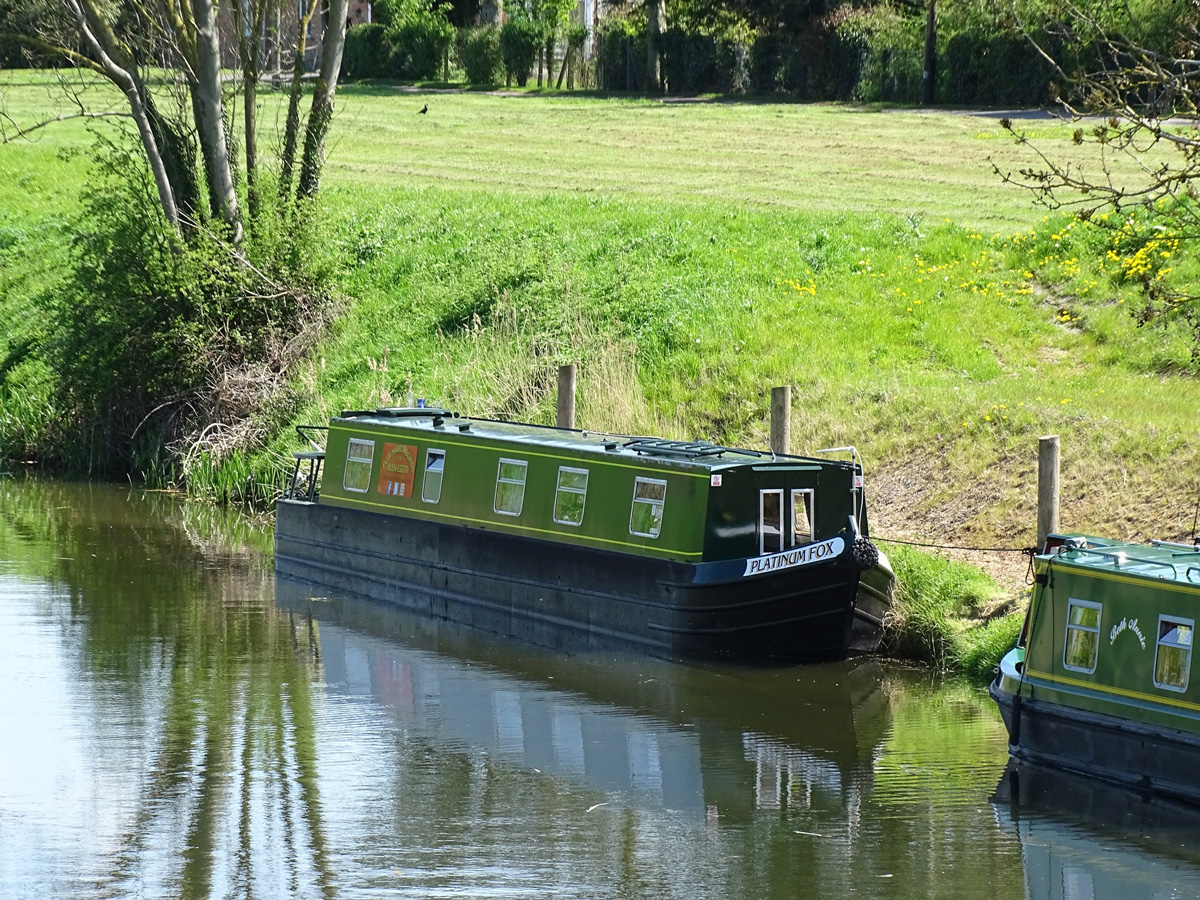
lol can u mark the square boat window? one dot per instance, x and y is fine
(570, 495)
(431, 485)
(802, 517)
(510, 486)
(770, 522)
(359, 457)
(1173, 661)
(649, 495)
(1083, 635)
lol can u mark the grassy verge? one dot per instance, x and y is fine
(949, 614)
(690, 256)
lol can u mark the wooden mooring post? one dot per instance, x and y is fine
(565, 417)
(1047, 514)
(781, 419)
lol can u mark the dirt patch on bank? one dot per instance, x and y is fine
(915, 502)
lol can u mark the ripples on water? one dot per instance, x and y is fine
(175, 724)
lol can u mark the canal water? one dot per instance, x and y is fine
(174, 723)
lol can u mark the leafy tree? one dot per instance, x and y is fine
(1127, 75)
(178, 300)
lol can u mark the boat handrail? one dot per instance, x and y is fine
(399, 412)
(1177, 545)
(301, 429)
(688, 449)
(1119, 558)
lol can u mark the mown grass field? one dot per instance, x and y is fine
(692, 255)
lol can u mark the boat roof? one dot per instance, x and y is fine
(689, 454)
(1161, 560)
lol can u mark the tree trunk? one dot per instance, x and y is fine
(291, 132)
(107, 50)
(209, 110)
(929, 76)
(656, 24)
(321, 114)
(248, 20)
(563, 70)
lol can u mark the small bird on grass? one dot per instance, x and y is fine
(424, 109)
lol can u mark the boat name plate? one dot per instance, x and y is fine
(800, 556)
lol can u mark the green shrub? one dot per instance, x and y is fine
(419, 47)
(994, 69)
(621, 56)
(891, 51)
(366, 52)
(519, 43)
(479, 54)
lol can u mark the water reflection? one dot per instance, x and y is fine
(707, 741)
(158, 713)
(172, 729)
(1085, 840)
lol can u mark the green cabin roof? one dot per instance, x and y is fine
(1158, 560)
(695, 455)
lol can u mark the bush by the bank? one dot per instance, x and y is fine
(366, 52)
(418, 48)
(479, 54)
(520, 40)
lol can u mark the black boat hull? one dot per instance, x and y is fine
(567, 597)
(1144, 757)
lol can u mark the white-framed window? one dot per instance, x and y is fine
(649, 497)
(570, 495)
(770, 521)
(1173, 658)
(1082, 640)
(802, 517)
(510, 486)
(360, 456)
(431, 484)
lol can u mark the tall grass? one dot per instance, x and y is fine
(944, 614)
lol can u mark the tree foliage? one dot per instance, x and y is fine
(1130, 80)
(190, 292)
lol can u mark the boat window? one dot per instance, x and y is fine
(570, 495)
(1083, 635)
(649, 495)
(359, 457)
(802, 517)
(510, 487)
(770, 521)
(431, 485)
(1173, 661)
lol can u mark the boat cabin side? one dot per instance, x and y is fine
(554, 485)
(1111, 628)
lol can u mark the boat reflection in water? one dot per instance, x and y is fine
(706, 741)
(1087, 840)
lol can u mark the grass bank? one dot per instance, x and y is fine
(689, 257)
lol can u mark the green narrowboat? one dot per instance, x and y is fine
(1100, 680)
(580, 540)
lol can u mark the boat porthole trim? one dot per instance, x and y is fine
(649, 498)
(360, 457)
(803, 516)
(570, 496)
(1081, 642)
(1173, 655)
(770, 521)
(435, 466)
(510, 486)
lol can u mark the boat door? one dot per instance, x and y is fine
(782, 527)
